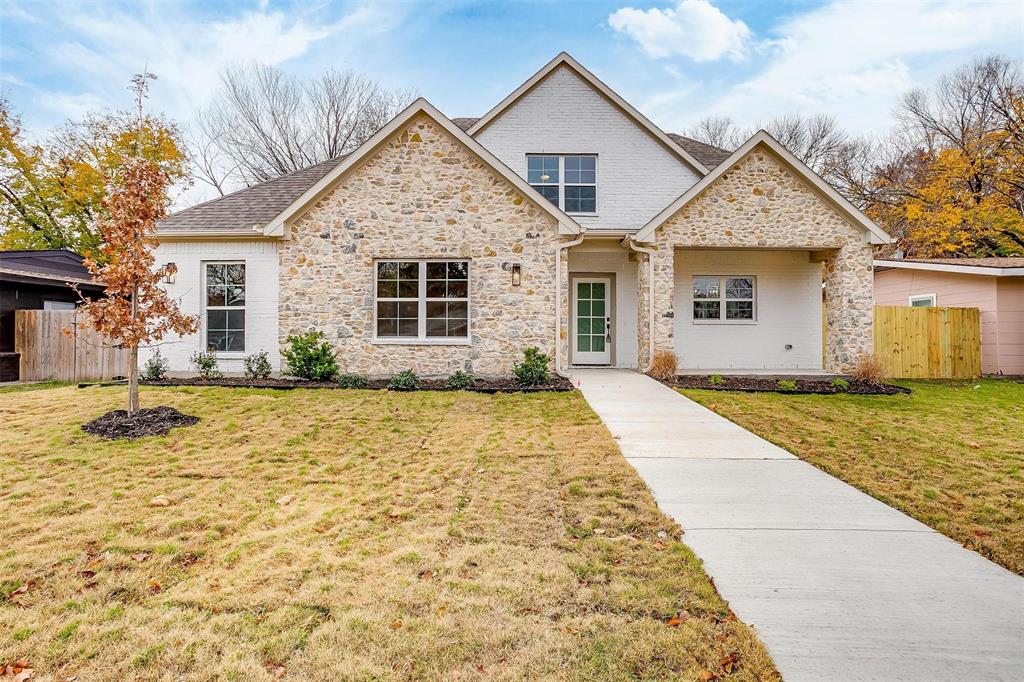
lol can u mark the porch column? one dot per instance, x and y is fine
(664, 296)
(849, 307)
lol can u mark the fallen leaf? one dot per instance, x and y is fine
(160, 501)
(426, 575)
(729, 661)
(974, 445)
(95, 563)
(481, 669)
(707, 675)
(395, 624)
(87, 574)
(154, 585)
(440, 610)
(599, 531)
(140, 556)
(674, 622)
(21, 590)
(285, 500)
(24, 675)
(659, 545)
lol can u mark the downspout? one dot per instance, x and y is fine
(558, 304)
(650, 300)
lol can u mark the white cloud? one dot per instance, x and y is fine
(694, 28)
(848, 60)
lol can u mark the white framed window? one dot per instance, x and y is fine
(568, 181)
(724, 298)
(58, 305)
(924, 301)
(421, 301)
(224, 299)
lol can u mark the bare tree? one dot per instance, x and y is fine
(265, 123)
(718, 131)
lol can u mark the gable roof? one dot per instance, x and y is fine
(994, 266)
(761, 137)
(246, 210)
(276, 225)
(564, 59)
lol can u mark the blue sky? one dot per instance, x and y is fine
(676, 61)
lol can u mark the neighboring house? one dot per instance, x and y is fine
(993, 285)
(563, 218)
(37, 280)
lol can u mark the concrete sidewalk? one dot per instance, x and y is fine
(838, 585)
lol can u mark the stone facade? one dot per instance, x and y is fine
(424, 195)
(760, 204)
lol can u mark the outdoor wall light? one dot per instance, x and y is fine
(517, 274)
(170, 271)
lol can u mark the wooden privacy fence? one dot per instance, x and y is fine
(48, 354)
(928, 343)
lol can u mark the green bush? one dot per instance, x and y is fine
(459, 381)
(786, 385)
(206, 364)
(257, 365)
(155, 368)
(406, 380)
(533, 370)
(841, 385)
(716, 380)
(310, 356)
(352, 381)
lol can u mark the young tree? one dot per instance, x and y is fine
(51, 193)
(135, 310)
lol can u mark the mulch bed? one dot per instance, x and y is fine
(150, 421)
(481, 386)
(764, 384)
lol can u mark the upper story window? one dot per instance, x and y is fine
(569, 182)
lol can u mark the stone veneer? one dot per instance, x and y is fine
(760, 204)
(424, 195)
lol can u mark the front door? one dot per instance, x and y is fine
(592, 321)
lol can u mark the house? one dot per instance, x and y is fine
(37, 280)
(993, 285)
(562, 218)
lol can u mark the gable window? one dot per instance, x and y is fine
(225, 307)
(567, 181)
(419, 300)
(729, 299)
(923, 301)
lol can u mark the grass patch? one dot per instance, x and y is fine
(951, 454)
(345, 535)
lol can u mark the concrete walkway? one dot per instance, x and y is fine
(838, 585)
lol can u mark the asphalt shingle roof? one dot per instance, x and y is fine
(257, 205)
(990, 262)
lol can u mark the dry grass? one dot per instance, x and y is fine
(663, 366)
(869, 368)
(951, 454)
(430, 536)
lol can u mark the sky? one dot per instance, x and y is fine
(675, 61)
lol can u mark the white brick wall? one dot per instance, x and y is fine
(788, 311)
(261, 297)
(636, 176)
(617, 262)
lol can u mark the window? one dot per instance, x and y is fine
(225, 307)
(420, 300)
(923, 301)
(58, 305)
(723, 298)
(569, 182)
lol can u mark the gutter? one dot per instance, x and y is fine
(650, 300)
(558, 303)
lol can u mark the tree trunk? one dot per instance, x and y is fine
(133, 380)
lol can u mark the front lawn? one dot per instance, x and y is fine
(324, 535)
(951, 454)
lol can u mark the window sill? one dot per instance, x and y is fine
(410, 341)
(230, 355)
(728, 322)
(582, 215)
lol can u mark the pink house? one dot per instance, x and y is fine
(993, 285)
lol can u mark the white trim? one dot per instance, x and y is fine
(421, 338)
(933, 300)
(204, 307)
(279, 224)
(646, 234)
(722, 299)
(563, 58)
(578, 357)
(562, 183)
(949, 267)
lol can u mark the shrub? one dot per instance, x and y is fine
(352, 381)
(459, 381)
(716, 380)
(310, 356)
(869, 368)
(155, 368)
(206, 364)
(533, 370)
(257, 365)
(786, 385)
(841, 385)
(406, 380)
(663, 368)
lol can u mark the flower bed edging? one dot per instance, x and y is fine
(754, 384)
(485, 386)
